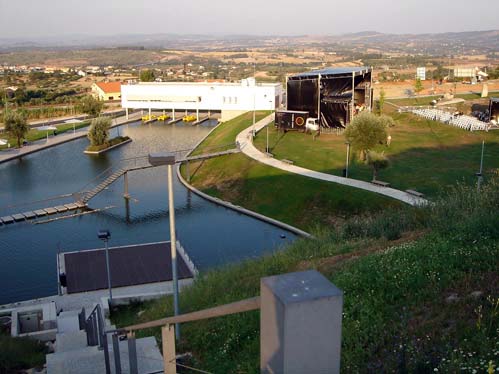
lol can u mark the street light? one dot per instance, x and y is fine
(267, 148)
(480, 173)
(159, 159)
(104, 235)
(348, 159)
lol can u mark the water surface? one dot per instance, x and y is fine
(212, 235)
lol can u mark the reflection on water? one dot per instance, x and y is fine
(212, 235)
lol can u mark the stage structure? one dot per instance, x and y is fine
(494, 109)
(333, 96)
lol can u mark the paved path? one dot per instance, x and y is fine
(12, 153)
(245, 141)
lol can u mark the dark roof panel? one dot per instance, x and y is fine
(334, 71)
(131, 265)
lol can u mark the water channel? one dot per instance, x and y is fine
(212, 235)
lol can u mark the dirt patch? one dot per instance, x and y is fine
(327, 264)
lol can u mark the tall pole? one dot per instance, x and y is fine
(267, 147)
(173, 248)
(352, 105)
(319, 100)
(108, 274)
(254, 94)
(481, 168)
(348, 160)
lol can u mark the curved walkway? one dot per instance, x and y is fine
(245, 141)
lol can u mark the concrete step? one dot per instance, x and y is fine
(70, 341)
(68, 322)
(82, 361)
(149, 359)
(90, 360)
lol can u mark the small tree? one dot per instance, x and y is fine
(17, 125)
(98, 133)
(147, 76)
(91, 106)
(418, 85)
(381, 100)
(365, 131)
(377, 161)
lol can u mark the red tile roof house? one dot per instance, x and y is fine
(107, 91)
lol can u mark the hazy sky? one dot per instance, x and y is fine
(38, 18)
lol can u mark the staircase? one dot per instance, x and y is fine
(99, 188)
(74, 355)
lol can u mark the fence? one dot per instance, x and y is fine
(300, 326)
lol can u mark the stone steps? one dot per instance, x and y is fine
(70, 341)
(89, 360)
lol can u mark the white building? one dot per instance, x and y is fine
(232, 99)
(421, 73)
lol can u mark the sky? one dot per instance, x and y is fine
(42, 18)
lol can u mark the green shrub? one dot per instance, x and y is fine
(20, 353)
(98, 133)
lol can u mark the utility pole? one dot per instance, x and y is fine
(480, 173)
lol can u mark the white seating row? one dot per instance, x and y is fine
(462, 121)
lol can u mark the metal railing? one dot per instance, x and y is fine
(168, 334)
(94, 326)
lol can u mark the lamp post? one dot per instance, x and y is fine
(348, 159)
(159, 159)
(267, 147)
(480, 173)
(104, 235)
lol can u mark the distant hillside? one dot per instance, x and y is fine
(444, 43)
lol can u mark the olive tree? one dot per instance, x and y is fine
(91, 106)
(418, 85)
(367, 130)
(17, 125)
(147, 75)
(381, 100)
(98, 132)
(377, 161)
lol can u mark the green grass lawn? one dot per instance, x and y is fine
(425, 155)
(398, 270)
(426, 100)
(224, 136)
(34, 135)
(294, 199)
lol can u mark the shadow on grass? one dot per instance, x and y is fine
(430, 170)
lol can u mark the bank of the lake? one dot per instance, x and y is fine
(296, 200)
(420, 290)
(211, 234)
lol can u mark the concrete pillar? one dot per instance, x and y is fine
(169, 355)
(197, 114)
(126, 111)
(125, 181)
(164, 112)
(300, 324)
(173, 113)
(149, 112)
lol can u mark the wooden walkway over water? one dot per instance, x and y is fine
(104, 180)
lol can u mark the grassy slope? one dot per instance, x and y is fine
(425, 155)
(397, 313)
(293, 199)
(224, 136)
